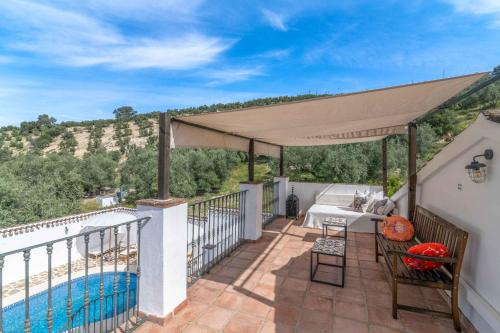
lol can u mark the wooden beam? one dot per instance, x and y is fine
(164, 157)
(412, 169)
(251, 160)
(384, 165)
(282, 161)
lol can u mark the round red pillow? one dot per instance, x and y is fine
(397, 228)
(426, 249)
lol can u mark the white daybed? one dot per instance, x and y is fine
(335, 201)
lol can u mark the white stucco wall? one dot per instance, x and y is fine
(14, 264)
(306, 192)
(445, 188)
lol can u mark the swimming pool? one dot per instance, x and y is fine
(14, 314)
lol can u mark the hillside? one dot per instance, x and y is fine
(45, 135)
(48, 169)
(78, 139)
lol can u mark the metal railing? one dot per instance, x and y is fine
(215, 229)
(106, 308)
(57, 313)
(270, 202)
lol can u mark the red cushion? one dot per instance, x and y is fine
(426, 249)
(397, 228)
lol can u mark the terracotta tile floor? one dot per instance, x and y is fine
(265, 287)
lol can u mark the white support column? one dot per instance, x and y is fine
(163, 257)
(253, 210)
(283, 193)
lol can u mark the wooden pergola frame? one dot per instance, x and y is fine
(165, 140)
(164, 161)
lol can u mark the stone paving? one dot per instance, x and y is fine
(265, 287)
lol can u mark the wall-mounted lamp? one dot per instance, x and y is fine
(477, 170)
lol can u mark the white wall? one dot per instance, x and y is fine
(475, 208)
(14, 264)
(306, 192)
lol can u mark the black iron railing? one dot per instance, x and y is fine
(270, 202)
(105, 247)
(215, 229)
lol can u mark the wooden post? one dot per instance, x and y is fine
(384, 165)
(251, 160)
(164, 157)
(412, 169)
(282, 165)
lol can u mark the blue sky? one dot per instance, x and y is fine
(79, 60)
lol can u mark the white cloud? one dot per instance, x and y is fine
(77, 39)
(186, 52)
(478, 7)
(229, 75)
(276, 20)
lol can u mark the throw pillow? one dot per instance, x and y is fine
(359, 200)
(376, 205)
(389, 207)
(426, 249)
(397, 228)
(367, 206)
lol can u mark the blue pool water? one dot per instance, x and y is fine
(13, 315)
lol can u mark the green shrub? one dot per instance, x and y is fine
(68, 142)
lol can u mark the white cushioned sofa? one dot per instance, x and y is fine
(337, 200)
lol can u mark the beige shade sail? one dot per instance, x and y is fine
(187, 136)
(347, 118)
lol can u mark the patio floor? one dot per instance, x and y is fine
(265, 287)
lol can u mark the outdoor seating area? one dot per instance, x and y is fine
(265, 286)
(234, 263)
(340, 119)
(338, 201)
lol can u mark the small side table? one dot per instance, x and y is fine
(335, 247)
(335, 222)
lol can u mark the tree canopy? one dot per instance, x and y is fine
(124, 113)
